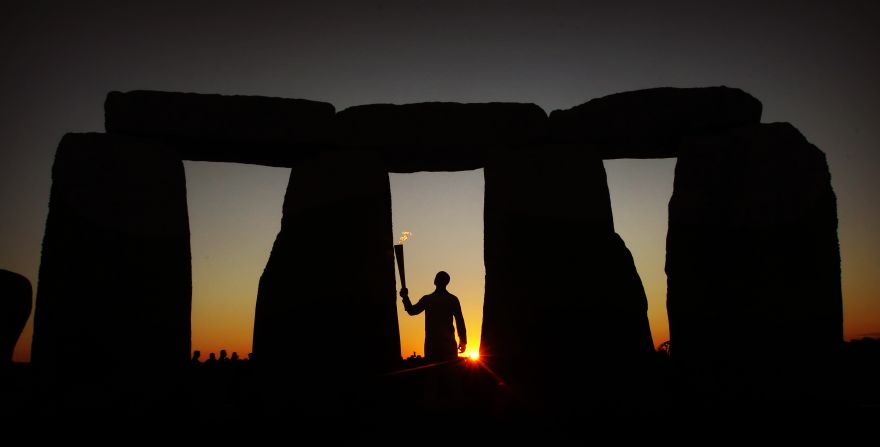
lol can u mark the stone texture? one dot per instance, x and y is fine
(244, 129)
(753, 261)
(15, 308)
(439, 136)
(651, 123)
(114, 294)
(564, 318)
(326, 308)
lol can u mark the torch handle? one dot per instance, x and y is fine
(398, 252)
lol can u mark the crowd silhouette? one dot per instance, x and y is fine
(213, 359)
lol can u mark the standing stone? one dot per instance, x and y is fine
(326, 313)
(753, 262)
(15, 308)
(114, 295)
(564, 318)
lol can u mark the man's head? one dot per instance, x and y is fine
(441, 280)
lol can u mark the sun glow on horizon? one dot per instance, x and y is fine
(474, 355)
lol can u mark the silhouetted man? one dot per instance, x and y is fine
(440, 308)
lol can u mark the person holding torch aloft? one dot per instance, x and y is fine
(441, 308)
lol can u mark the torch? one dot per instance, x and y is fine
(398, 252)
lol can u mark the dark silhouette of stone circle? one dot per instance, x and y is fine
(752, 253)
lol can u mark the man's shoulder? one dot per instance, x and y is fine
(440, 296)
(450, 296)
(435, 295)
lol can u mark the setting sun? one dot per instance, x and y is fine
(474, 355)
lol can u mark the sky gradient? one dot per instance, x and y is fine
(813, 64)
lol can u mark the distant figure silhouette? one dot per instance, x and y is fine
(223, 356)
(212, 359)
(196, 356)
(440, 308)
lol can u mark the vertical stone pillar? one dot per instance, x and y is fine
(753, 262)
(326, 308)
(565, 312)
(114, 290)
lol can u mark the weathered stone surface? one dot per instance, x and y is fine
(565, 312)
(244, 129)
(651, 123)
(439, 136)
(753, 262)
(114, 292)
(326, 308)
(15, 308)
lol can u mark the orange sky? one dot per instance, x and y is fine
(444, 213)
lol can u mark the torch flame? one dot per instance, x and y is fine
(404, 236)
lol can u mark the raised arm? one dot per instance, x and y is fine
(408, 305)
(459, 325)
